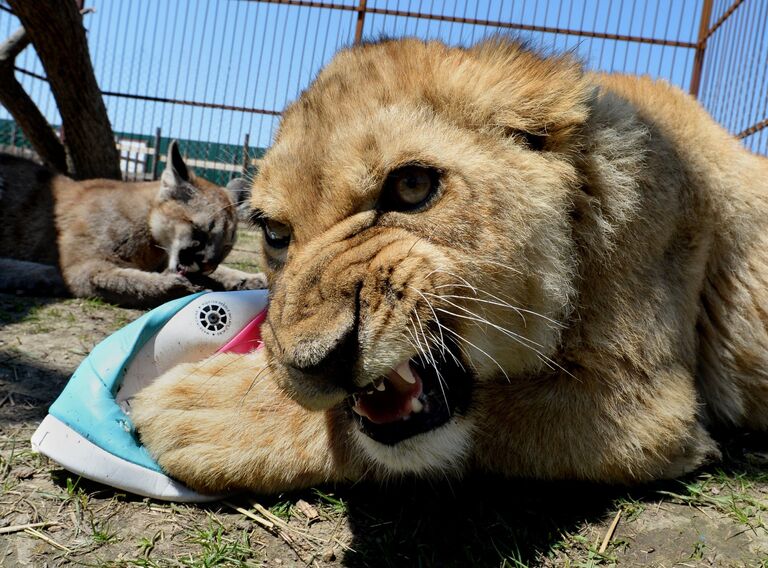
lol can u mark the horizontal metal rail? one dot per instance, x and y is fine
(200, 104)
(479, 22)
(753, 129)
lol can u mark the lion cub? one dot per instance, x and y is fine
(134, 244)
(499, 262)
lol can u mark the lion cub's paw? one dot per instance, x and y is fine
(223, 424)
(190, 420)
(700, 451)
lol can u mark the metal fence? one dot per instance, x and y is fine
(217, 73)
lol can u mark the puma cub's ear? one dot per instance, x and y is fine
(175, 182)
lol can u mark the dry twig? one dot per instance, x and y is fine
(18, 528)
(609, 532)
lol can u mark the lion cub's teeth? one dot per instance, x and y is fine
(406, 374)
(416, 405)
(357, 410)
(380, 386)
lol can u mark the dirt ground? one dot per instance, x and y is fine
(48, 517)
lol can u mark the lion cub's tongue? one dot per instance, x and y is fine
(398, 398)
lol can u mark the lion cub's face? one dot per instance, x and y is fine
(415, 215)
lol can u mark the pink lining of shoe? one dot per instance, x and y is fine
(249, 338)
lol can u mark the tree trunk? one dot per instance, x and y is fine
(56, 30)
(23, 109)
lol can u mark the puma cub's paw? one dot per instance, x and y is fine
(179, 283)
(232, 279)
(251, 282)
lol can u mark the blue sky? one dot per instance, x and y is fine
(251, 54)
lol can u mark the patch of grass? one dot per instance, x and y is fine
(727, 493)
(15, 458)
(330, 502)
(95, 303)
(37, 318)
(282, 509)
(6, 464)
(147, 545)
(578, 551)
(631, 508)
(122, 319)
(244, 266)
(513, 561)
(52, 312)
(102, 532)
(219, 549)
(33, 314)
(698, 550)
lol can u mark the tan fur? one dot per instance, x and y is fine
(113, 240)
(610, 292)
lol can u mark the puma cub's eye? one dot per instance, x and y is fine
(409, 187)
(277, 235)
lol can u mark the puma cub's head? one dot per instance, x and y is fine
(415, 211)
(192, 219)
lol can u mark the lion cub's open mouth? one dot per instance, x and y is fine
(414, 397)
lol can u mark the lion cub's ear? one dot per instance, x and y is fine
(541, 101)
(175, 183)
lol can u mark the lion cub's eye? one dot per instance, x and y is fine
(277, 235)
(409, 188)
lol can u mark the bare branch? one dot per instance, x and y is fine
(22, 107)
(56, 30)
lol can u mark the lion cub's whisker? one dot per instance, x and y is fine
(468, 342)
(437, 320)
(490, 323)
(511, 334)
(501, 303)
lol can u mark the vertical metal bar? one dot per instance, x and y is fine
(156, 161)
(246, 158)
(145, 162)
(360, 21)
(698, 58)
(235, 159)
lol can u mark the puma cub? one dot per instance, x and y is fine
(134, 244)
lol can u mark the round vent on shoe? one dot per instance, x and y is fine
(213, 318)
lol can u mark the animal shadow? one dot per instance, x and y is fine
(480, 521)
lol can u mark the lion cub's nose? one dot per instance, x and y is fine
(331, 358)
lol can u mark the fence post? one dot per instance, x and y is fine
(156, 161)
(246, 158)
(701, 46)
(360, 21)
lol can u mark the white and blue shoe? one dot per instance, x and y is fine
(88, 429)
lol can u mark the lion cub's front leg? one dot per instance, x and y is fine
(223, 425)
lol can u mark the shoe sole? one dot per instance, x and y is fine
(54, 439)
